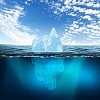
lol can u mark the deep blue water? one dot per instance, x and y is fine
(74, 79)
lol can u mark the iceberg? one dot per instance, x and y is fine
(54, 42)
(38, 46)
(49, 43)
(47, 70)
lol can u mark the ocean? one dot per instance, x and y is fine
(71, 75)
(68, 51)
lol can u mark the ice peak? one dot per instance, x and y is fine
(49, 43)
(53, 33)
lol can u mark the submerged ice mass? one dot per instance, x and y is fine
(47, 70)
(49, 43)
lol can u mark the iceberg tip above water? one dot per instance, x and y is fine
(49, 43)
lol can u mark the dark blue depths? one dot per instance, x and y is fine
(50, 78)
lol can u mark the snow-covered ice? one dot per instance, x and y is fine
(49, 43)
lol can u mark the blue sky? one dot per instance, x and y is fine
(76, 21)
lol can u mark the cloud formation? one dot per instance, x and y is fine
(84, 16)
(11, 30)
(82, 24)
(2, 2)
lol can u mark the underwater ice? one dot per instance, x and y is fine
(47, 70)
(48, 43)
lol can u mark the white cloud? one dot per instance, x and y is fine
(80, 30)
(87, 17)
(84, 34)
(12, 29)
(27, 2)
(2, 2)
(60, 6)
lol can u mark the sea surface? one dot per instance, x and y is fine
(68, 51)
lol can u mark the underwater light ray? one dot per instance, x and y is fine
(16, 67)
(71, 75)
